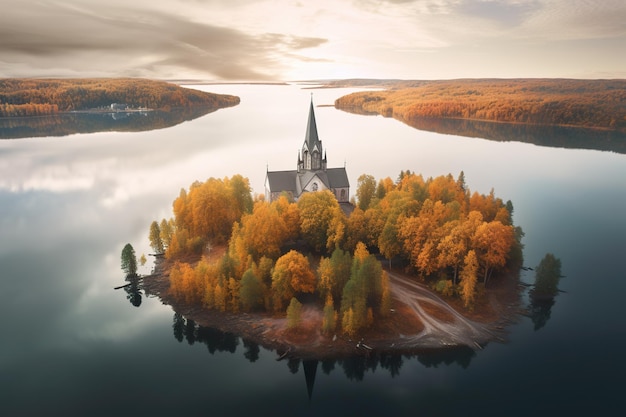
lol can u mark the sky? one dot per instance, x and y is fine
(290, 40)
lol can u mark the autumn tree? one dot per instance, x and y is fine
(318, 219)
(184, 283)
(156, 243)
(365, 191)
(290, 214)
(469, 278)
(356, 229)
(167, 229)
(292, 275)
(129, 261)
(492, 243)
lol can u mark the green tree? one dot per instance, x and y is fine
(156, 243)
(294, 313)
(329, 320)
(251, 291)
(547, 276)
(129, 261)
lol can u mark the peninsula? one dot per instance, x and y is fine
(24, 97)
(597, 104)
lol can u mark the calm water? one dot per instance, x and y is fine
(71, 345)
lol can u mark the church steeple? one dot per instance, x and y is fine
(311, 138)
(312, 148)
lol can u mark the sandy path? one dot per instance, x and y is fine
(436, 332)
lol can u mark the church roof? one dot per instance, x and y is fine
(332, 178)
(295, 181)
(338, 177)
(282, 180)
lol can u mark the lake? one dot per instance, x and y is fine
(74, 346)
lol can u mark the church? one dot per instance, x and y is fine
(311, 173)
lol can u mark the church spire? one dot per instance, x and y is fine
(312, 147)
(311, 138)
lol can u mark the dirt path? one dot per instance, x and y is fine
(437, 332)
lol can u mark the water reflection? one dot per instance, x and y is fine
(552, 136)
(545, 289)
(72, 123)
(133, 292)
(354, 367)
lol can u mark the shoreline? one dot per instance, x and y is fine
(401, 333)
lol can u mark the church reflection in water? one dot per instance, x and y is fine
(354, 367)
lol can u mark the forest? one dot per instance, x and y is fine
(278, 255)
(599, 104)
(20, 97)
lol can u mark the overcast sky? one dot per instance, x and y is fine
(287, 40)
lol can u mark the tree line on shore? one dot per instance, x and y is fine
(277, 253)
(35, 97)
(583, 103)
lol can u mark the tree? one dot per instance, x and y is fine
(329, 320)
(142, 259)
(452, 247)
(294, 313)
(469, 278)
(251, 291)
(492, 243)
(292, 274)
(167, 230)
(317, 212)
(129, 261)
(356, 229)
(156, 243)
(385, 298)
(547, 276)
(264, 231)
(326, 277)
(366, 191)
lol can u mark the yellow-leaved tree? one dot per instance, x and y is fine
(292, 275)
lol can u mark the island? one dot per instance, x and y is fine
(417, 263)
(57, 107)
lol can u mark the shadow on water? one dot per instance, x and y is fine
(550, 136)
(71, 123)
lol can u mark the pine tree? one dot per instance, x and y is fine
(129, 261)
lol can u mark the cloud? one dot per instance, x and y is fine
(291, 39)
(126, 41)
